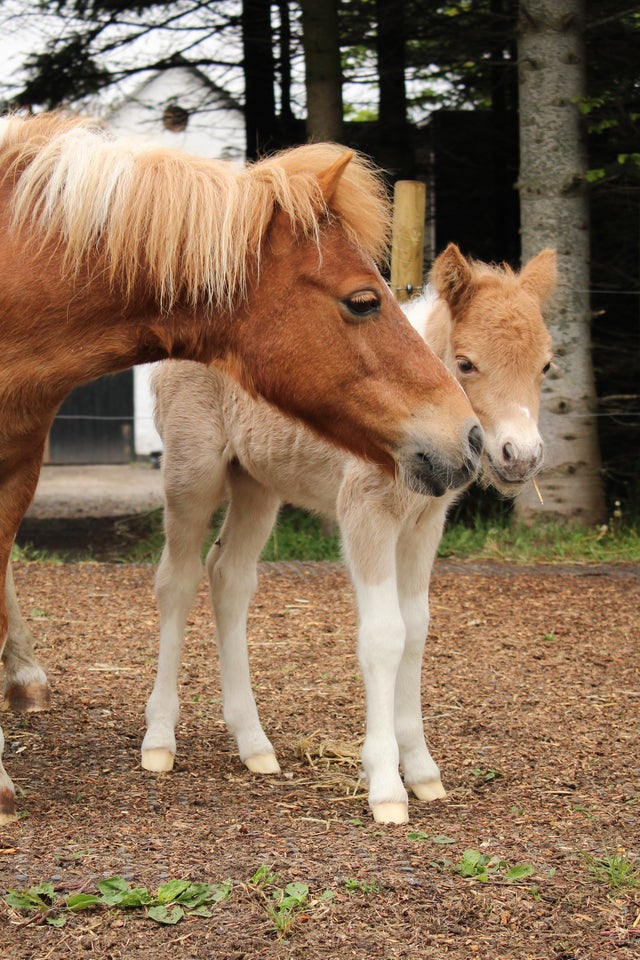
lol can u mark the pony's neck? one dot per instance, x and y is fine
(431, 318)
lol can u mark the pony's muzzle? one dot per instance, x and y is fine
(431, 472)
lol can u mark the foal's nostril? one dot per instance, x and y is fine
(476, 440)
(508, 453)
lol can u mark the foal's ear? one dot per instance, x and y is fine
(329, 178)
(540, 275)
(452, 277)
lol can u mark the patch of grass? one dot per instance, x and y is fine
(617, 870)
(353, 885)
(543, 542)
(27, 553)
(298, 535)
(301, 536)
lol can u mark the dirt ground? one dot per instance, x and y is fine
(532, 707)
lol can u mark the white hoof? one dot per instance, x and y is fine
(262, 763)
(158, 760)
(390, 812)
(432, 790)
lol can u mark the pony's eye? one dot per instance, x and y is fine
(546, 368)
(362, 304)
(465, 365)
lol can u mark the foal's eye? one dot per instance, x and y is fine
(465, 365)
(362, 304)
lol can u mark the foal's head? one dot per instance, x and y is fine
(500, 351)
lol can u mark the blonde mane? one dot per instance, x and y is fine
(190, 229)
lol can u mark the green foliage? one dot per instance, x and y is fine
(352, 885)
(485, 776)
(284, 906)
(544, 542)
(440, 838)
(172, 901)
(617, 870)
(300, 536)
(483, 867)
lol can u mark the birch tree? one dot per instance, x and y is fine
(554, 213)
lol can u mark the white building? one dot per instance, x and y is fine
(181, 108)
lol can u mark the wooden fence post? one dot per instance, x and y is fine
(407, 239)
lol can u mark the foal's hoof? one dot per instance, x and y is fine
(390, 812)
(432, 790)
(158, 760)
(8, 812)
(27, 697)
(262, 763)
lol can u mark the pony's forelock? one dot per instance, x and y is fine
(191, 227)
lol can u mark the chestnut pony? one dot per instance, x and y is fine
(114, 253)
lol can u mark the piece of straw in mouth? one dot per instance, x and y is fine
(537, 490)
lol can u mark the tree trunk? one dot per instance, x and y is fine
(395, 152)
(554, 213)
(323, 70)
(259, 73)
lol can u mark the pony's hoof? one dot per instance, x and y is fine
(432, 790)
(8, 812)
(262, 763)
(27, 697)
(158, 760)
(390, 812)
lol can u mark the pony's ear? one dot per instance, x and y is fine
(540, 275)
(329, 178)
(452, 277)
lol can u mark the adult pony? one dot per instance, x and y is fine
(114, 253)
(486, 323)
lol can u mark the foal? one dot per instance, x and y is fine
(486, 323)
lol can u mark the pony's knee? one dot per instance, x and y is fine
(381, 642)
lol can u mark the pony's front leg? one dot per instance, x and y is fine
(25, 683)
(421, 773)
(381, 638)
(232, 571)
(369, 533)
(415, 555)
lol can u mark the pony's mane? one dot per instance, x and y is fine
(190, 228)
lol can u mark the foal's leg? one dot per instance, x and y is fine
(190, 503)
(369, 533)
(233, 579)
(25, 682)
(416, 551)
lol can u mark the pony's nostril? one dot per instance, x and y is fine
(476, 440)
(508, 452)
